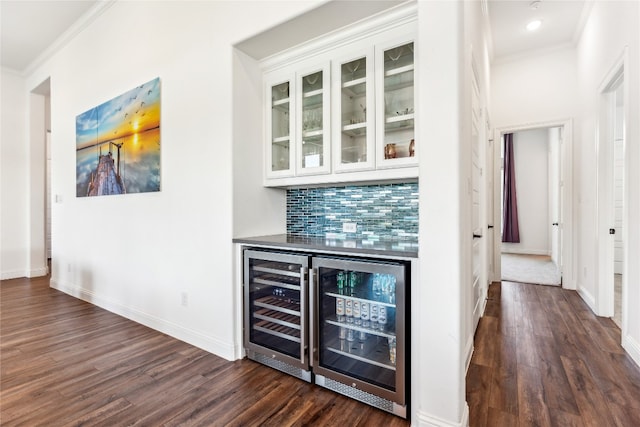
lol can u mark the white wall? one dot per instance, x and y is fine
(449, 34)
(532, 186)
(256, 210)
(534, 89)
(611, 27)
(136, 254)
(14, 194)
(542, 89)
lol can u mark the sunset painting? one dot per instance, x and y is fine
(118, 144)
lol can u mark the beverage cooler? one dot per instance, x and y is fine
(352, 315)
(276, 317)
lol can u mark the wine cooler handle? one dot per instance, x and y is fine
(303, 314)
(312, 315)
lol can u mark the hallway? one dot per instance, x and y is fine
(542, 358)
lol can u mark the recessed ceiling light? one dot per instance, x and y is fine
(534, 25)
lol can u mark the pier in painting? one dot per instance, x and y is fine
(106, 179)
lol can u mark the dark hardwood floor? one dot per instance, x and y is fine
(64, 362)
(542, 358)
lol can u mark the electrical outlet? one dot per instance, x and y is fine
(349, 227)
(184, 299)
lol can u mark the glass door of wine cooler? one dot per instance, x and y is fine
(359, 343)
(276, 321)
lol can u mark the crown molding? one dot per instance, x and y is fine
(11, 71)
(83, 22)
(531, 53)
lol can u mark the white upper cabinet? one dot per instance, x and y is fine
(280, 151)
(395, 107)
(341, 109)
(313, 121)
(353, 129)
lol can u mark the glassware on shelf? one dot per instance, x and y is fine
(399, 115)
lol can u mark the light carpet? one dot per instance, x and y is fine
(535, 269)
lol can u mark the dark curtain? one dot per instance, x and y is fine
(510, 230)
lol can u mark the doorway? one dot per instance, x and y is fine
(530, 243)
(556, 230)
(612, 212)
(40, 187)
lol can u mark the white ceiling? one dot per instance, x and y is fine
(562, 22)
(30, 28)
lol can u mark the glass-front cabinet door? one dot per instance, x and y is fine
(313, 121)
(280, 127)
(396, 145)
(353, 97)
(360, 337)
(275, 289)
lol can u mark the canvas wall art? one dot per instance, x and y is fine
(118, 144)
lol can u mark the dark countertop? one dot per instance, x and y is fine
(399, 249)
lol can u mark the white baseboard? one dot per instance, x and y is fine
(632, 347)
(190, 336)
(38, 272)
(12, 274)
(16, 274)
(524, 251)
(427, 420)
(587, 297)
(469, 353)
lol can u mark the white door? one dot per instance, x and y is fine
(611, 106)
(476, 176)
(618, 180)
(555, 137)
(490, 243)
(48, 184)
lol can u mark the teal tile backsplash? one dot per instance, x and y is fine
(381, 212)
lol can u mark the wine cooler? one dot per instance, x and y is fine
(276, 311)
(338, 322)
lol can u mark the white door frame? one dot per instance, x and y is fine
(566, 194)
(604, 294)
